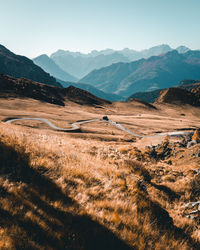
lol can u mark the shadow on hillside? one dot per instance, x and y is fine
(31, 215)
(169, 192)
(159, 218)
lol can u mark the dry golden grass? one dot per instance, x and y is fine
(94, 190)
(55, 191)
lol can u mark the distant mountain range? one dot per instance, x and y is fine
(20, 66)
(156, 72)
(117, 81)
(52, 68)
(79, 64)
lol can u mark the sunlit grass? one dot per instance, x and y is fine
(130, 198)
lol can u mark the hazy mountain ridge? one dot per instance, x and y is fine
(52, 68)
(156, 72)
(80, 64)
(21, 66)
(92, 90)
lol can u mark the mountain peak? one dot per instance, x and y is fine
(47, 64)
(41, 56)
(182, 49)
(172, 54)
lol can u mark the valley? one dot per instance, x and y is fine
(81, 172)
(115, 184)
(99, 125)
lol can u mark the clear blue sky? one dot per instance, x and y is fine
(33, 27)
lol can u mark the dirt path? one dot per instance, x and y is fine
(76, 127)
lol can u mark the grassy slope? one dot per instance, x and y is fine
(37, 208)
(60, 191)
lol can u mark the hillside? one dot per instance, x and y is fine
(108, 79)
(149, 96)
(142, 103)
(178, 96)
(98, 188)
(20, 66)
(157, 72)
(92, 90)
(21, 87)
(48, 65)
(82, 97)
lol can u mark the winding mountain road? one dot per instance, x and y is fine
(76, 127)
